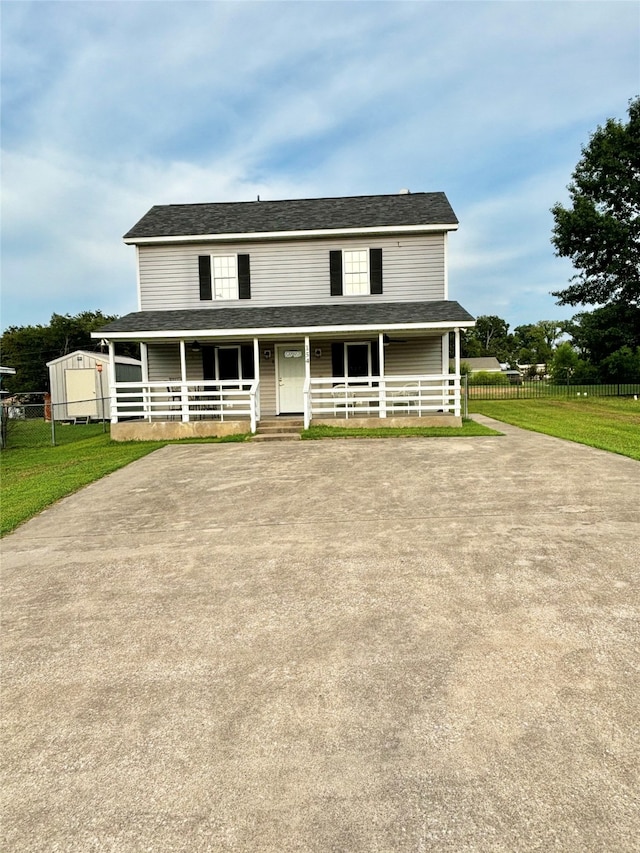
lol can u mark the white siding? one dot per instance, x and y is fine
(292, 272)
(423, 355)
(164, 362)
(267, 380)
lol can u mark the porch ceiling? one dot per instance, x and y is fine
(289, 319)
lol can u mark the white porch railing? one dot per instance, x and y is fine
(381, 396)
(187, 401)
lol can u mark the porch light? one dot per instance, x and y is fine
(385, 340)
(195, 346)
(317, 352)
(266, 354)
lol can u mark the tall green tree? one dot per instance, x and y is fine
(600, 231)
(551, 331)
(489, 337)
(564, 364)
(600, 333)
(29, 348)
(531, 344)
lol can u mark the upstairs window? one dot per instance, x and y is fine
(224, 277)
(355, 272)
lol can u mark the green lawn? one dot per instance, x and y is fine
(34, 477)
(609, 423)
(469, 427)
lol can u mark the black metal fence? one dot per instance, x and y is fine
(36, 424)
(540, 389)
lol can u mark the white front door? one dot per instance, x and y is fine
(291, 375)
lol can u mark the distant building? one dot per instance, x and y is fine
(490, 364)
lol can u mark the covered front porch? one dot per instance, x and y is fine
(220, 381)
(288, 378)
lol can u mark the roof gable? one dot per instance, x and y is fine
(405, 210)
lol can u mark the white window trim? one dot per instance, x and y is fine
(217, 364)
(365, 379)
(345, 290)
(214, 297)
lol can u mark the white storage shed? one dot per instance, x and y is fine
(79, 383)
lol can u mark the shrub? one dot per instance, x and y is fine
(484, 377)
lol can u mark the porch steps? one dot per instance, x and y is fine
(279, 429)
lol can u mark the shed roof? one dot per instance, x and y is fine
(295, 215)
(98, 356)
(487, 363)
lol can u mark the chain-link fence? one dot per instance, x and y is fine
(29, 422)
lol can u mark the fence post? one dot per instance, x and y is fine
(53, 425)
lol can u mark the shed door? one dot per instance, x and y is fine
(80, 386)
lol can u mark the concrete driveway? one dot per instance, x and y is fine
(399, 645)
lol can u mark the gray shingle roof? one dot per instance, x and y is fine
(314, 214)
(295, 317)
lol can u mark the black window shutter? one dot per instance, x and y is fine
(208, 363)
(375, 270)
(337, 359)
(204, 269)
(244, 277)
(248, 365)
(375, 358)
(335, 273)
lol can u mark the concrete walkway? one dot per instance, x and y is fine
(393, 645)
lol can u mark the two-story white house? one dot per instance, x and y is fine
(325, 309)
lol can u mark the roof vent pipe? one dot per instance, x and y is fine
(404, 191)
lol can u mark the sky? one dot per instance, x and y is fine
(111, 107)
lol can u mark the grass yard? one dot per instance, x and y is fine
(608, 423)
(468, 428)
(32, 478)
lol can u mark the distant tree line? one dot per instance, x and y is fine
(533, 343)
(600, 346)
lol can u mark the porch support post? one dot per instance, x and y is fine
(307, 382)
(112, 382)
(382, 391)
(144, 358)
(457, 368)
(256, 359)
(446, 383)
(445, 353)
(184, 397)
(255, 399)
